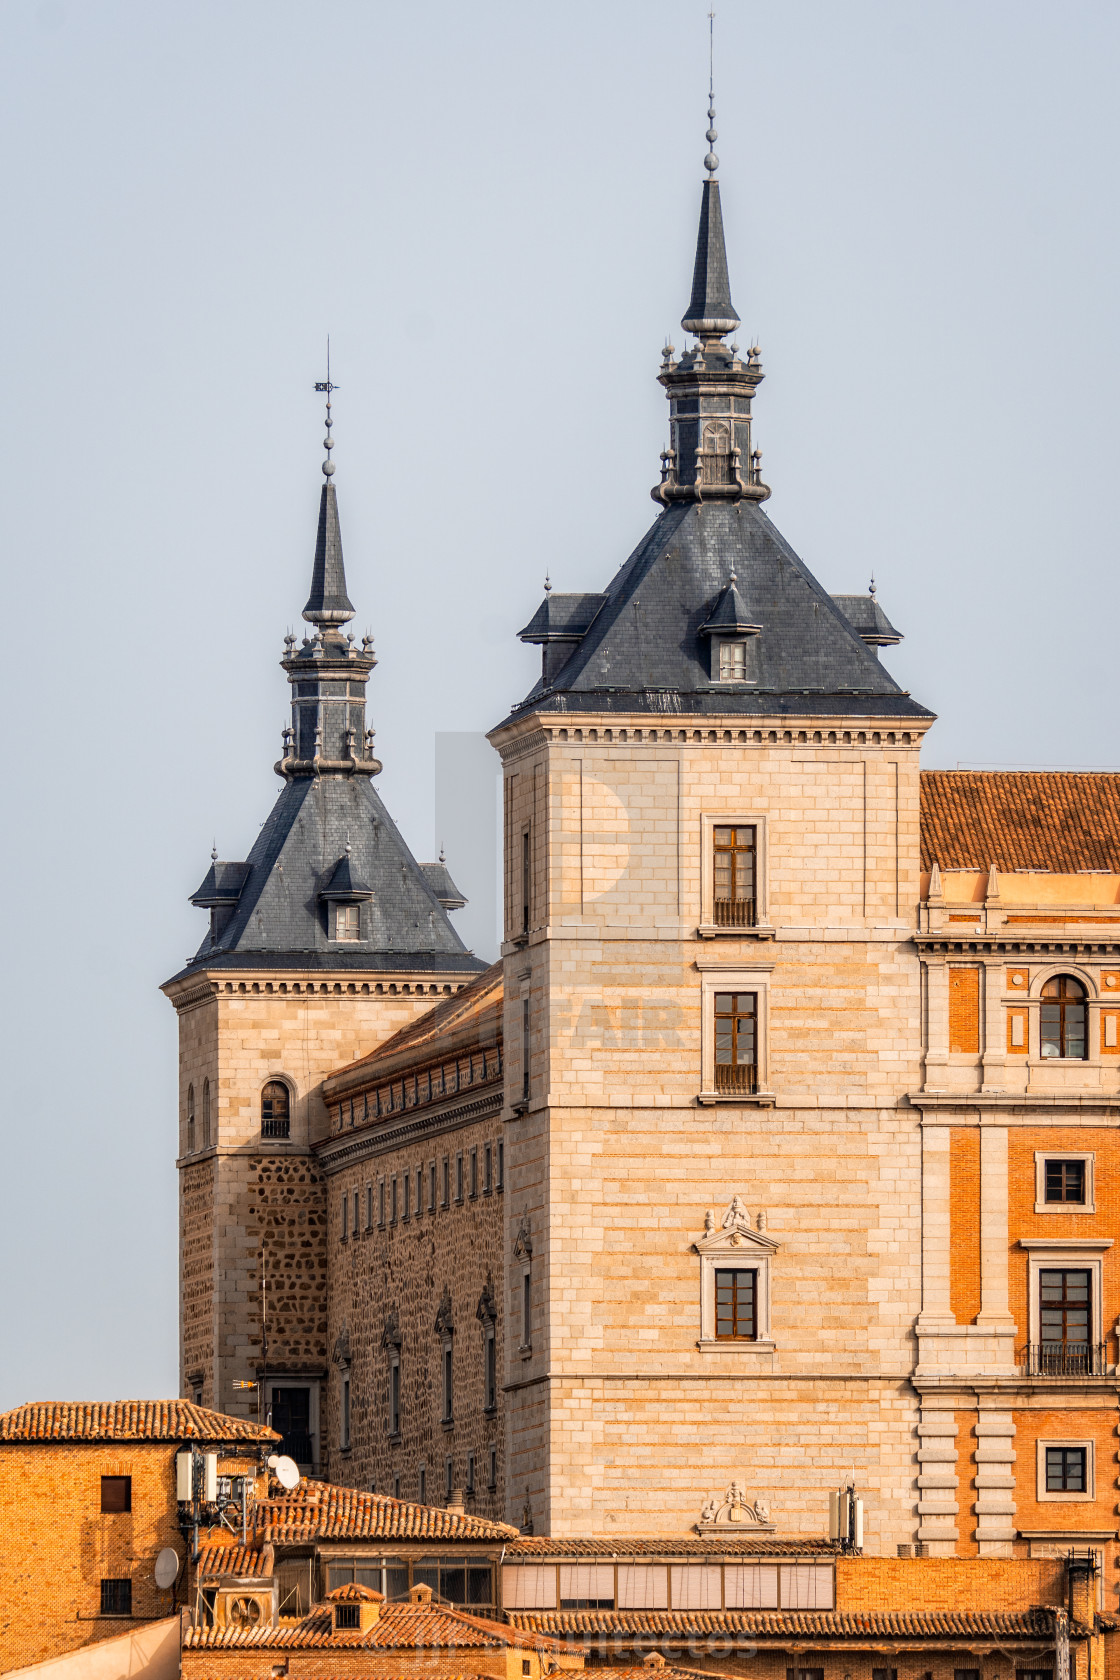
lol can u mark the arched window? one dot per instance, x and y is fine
(190, 1119)
(205, 1113)
(275, 1110)
(716, 453)
(1062, 1025)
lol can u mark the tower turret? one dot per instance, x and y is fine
(710, 457)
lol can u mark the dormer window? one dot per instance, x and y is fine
(348, 921)
(732, 661)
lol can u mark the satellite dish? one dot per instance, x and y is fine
(286, 1471)
(167, 1568)
(273, 1460)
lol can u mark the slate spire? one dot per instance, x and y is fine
(328, 604)
(710, 312)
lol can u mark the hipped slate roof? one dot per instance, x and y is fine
(279, 918)
(126, 1420)
(1064, 821)
(643, 651)
(321, 1511)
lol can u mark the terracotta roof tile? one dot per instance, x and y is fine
(233, 1559)
(320, 1511)
(778, 1624)
(1059, 820)
(125, 1420)
(667, 1546)
(398, 1627)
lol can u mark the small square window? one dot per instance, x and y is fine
(116, 1598)
(348, 922)
(1065, 1181)
(347, 1616)
(732, 661)
(1065, 1469)
(116, 1493)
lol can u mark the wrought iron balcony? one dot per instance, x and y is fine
(1063, 1359)
(734, 912)
(736, 1080)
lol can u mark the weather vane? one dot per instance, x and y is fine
(711, 162)
(325, 386)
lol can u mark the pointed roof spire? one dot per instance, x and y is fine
(328, 603)
(710, 312)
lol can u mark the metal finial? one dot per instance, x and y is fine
(547, 584)
(871, 586)
(711, 162)
(326, 386)
(442, 859)
(348, 844)
(214, 851)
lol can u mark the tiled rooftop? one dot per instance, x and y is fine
(319, 1511)
(1062, 821)
(674, 1546)
(785, 1624)
(234, 1559)
(126, 1420)
(398, 1627)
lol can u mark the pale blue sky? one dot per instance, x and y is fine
(492, 210)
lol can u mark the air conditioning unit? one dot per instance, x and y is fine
(246, 1604)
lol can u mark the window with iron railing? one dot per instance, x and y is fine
(734, 876)
(275, 1110)
(736, 1048)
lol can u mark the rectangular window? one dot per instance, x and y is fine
(348, 921)
(696, 1586)
(736, 1029)
(737, 1305)
(396, 1487)
(345, 1213)
(587, 1586)
(1065, 1316)
(526, 1311)
(344, 1414)
(355, 1213)
(446, 1181)
(369, 1207)
(470, 1472)
(116, 1493)
(116, 1598)
(432, 1187)
(395, 1394)
(487, 1170)
(491, 1353)
(1065, 1181)
(1066, 1470)
(733, 662)
(525, 1050)
(750, 1586)
(381, 1202)
(449, 1480)
(806, 1586)
(526, 881)
(493, 1482)
(406, 1189)
(423, 1484)
(347, 1616)
(501, 1166)
(448, 1382)
(474, 1173)
(419, 1191)
(458, 1178)
(643, 1586)
(529, 1586)
(734, 875)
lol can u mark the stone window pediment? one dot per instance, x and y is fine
(737, 1245)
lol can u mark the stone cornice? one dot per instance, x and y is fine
(344, 1149)
(518, 735)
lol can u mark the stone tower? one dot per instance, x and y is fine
(712, 1014)
(324, 941)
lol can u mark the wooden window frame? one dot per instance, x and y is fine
(1088, 1159)
(117, 1506)
(1065, 1496)
(717, 977)
(708, 927)
(734, 1272)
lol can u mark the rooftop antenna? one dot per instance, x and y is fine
(711, 162)
(326, 387)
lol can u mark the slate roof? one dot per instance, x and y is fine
(399, 1626)
(279, 920)
(866, 616)
(710, 309)
(1060, 820)
(320, 1511)
(126, 1420)
(644, 653)
(931, 1625)
(530, 1546)
(328, 602)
